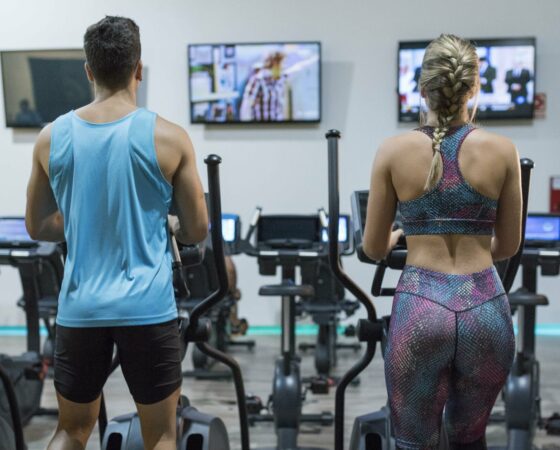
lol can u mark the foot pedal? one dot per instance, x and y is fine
(321, 385)
(552, 425)
(254, 404)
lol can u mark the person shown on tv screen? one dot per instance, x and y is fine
(450, 343)
(487, 76)
(416, 79)
(103, 179)
(266, 94)
(26, 116)
(517, 80)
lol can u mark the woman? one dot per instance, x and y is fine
(451, 341)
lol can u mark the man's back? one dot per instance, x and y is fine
(110, 190)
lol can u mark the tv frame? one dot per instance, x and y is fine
(416, 44)
(257, 122)
(45, 50)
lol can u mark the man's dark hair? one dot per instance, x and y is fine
(113, 49)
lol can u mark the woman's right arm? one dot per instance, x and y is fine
(507, 237)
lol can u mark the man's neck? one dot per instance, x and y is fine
(126, 95)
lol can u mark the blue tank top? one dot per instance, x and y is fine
(114, 199)
(453, 206)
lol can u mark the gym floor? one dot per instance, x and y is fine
(218, 397)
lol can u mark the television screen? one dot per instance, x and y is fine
(41, 85)
(254, 83)
(507, 79)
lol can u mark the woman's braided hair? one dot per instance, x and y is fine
(449, 75)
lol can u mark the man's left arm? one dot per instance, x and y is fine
(42, 218)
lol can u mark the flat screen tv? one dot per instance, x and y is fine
(507, 76)
(255, 83)
(40, 85)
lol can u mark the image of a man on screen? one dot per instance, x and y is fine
(517, 79)
(416, 79)
(487, 76)
(266, 95)
(27, 116)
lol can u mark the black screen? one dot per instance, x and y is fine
(39, 86)
(288, 227)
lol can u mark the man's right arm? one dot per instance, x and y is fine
(177, 160)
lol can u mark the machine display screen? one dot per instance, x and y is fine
(343, 225)
(543, 228)
(229, 227)
(14, 231)
(289, 227)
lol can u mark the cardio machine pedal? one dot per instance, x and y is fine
(552, 425)
(254, 404)
(320, 385)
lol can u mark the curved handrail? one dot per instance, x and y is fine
(334, 261)
(215, 206)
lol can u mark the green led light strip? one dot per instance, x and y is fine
(545, 329)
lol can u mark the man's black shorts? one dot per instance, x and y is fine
(149, 355)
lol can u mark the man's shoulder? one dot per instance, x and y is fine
(166, 129)
(170, 137)
(43, 145)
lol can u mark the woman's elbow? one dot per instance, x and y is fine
(374, 252)
(506, 250)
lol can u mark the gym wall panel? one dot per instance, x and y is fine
(283, 169)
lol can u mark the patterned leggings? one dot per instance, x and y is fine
(450, 344)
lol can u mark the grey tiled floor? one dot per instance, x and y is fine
(218, 396)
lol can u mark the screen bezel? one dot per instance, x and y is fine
(419, 44)
(42, 50)
(255, 122)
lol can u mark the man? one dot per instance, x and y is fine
(517, 80)
(27, 116)
(487, 76)
(103, 179)
(266, 94)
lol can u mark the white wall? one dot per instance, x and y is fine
(283, 169)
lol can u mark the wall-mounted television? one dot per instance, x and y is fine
(40, 85)
(255, 83)
(507, 75)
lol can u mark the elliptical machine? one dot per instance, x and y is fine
(40, 266)
(288, 242)
(195, 430)
(329, 302)
(373, 431)
(202, 281)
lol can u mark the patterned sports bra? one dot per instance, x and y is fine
(453, 206)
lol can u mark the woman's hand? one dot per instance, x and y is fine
(395, 236)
